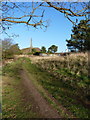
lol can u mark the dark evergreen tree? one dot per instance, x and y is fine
(80, 38)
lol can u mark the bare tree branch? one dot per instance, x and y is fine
(19, 17)
(30, 16)
(67, 11)
(27, 14)
(34, 25)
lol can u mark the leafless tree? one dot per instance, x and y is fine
(71, 9)
(19, 12)
(32, 14)
(6, 44)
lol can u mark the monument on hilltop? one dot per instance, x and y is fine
(31, 49)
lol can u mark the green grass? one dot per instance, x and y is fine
(14, 105)
(43, 91)
(62, 91)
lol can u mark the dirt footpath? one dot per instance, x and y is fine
(41, 106)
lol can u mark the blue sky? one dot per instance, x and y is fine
(57, 32)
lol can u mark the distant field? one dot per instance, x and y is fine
(37, 58)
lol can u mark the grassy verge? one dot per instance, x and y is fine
(43, 92)
(14, 105)
(0, 88)
(61, 91)
(13, 101)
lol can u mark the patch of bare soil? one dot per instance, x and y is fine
(39, 104)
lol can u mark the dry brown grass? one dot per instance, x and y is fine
(72, 68)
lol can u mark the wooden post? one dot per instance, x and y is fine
(67, 50)
(31, 45)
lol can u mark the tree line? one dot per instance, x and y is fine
(79, 41)
(9, 49)
(51, 49)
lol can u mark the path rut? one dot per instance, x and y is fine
(44, 108)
